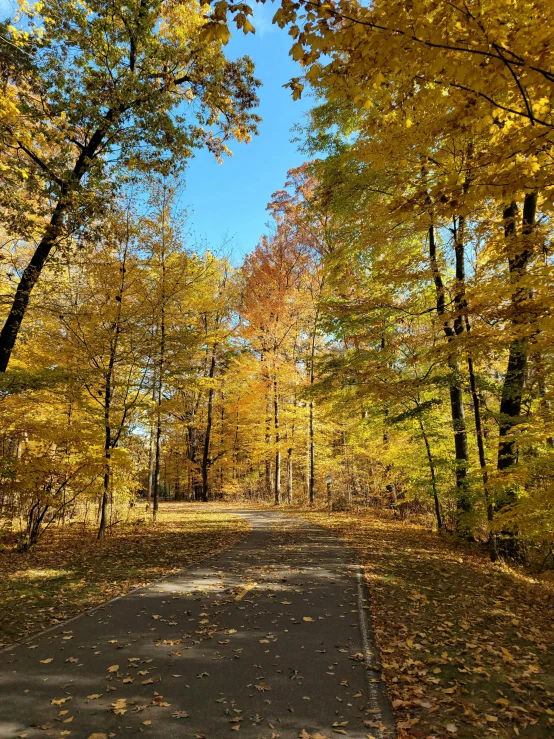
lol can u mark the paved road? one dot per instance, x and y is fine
(264, 640)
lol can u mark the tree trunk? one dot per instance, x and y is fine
(514, 381)
(151, 446)
(481, 448)
(158, 441)
(107, 458)
(277, 442)
(463, 503)
(432, 471)
(52, 234)
(207, 436)
(27, 282)
(311, 485)
(289, 476)
(311, 474)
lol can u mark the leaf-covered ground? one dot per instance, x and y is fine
(466, 646)
(69, 571)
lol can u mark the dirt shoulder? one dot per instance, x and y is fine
(466, 646)
(69, 571)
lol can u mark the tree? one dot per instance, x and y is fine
(106, 337)
(104, 88)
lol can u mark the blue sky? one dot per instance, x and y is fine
(227, 201)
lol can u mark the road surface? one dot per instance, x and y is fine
(266, 640)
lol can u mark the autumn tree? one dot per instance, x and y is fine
(105, 89)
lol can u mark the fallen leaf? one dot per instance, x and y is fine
(47, 661)
(119, 707)
(60, 701)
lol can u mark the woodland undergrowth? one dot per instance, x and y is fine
(465, 645)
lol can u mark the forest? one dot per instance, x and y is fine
(383, 356)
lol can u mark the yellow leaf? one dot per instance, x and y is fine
(113, 668)
(59, 701)
(222, 33)
(119, 707)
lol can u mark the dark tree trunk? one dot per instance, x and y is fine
(107, 456)
(432, 471)
(289, 476)
(28, 280)
(514, 381)
(463, 502)
(481, 448)
(51, 236)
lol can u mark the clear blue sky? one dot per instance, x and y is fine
(229, 199)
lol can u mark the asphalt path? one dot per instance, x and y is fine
(269, 639)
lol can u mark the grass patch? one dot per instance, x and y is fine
(69, 571)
